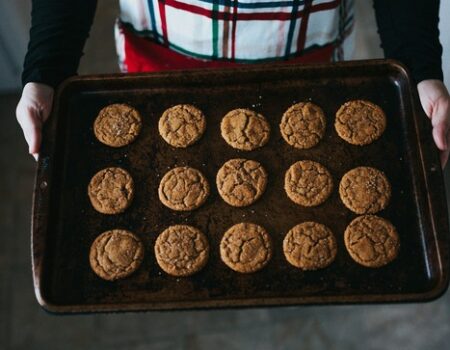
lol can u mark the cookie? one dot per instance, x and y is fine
(117, 125)
(371, 241)
(181, 250)
(116, 254)
(365, 190)
(310, 246)
(360, 122)
(303, 125)
(111, 190)
(245, 129)
(241, 182)
(246, 247)
(183, 189)
(182, 125)
(308, 183)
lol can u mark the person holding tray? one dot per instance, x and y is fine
(154, 35)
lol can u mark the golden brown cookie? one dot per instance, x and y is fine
(182, 125)
(365, 190)
(245, 129)
(183, 189)
(371, 241)
(246, 247)
(310, 246)
(308, 183)
(111, 190)
(303, 125)
(117, 125)
(116, 254)
(181, 250)
(360, 122)
(241, 182)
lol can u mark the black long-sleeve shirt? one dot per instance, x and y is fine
(408, 30)
(59, 29)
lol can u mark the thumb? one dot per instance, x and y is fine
(440, 121)
(440, 132)
(31, 124)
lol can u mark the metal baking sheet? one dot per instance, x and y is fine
(65, 224)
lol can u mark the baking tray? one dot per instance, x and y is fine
(65, 224)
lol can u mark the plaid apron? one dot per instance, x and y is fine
(154, 35)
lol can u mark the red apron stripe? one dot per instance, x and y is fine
(303, 26)
(225, 40)
(281, 16)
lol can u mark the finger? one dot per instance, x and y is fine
(45, 112)
(440, 121)
(427, 106)
(440, 136)
(31, 124)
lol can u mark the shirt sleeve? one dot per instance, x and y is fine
(59, 29)
(409, 33)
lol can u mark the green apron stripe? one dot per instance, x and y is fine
(215, 29)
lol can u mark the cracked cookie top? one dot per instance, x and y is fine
(183, 189)
(303, 125)
(360, 122)
(111, 190)
(182, 125)
(365, 190)
(117, 125)
(371, 241)
(241, 182)
(116, 254)
(181, 250)
(246, 247)
(245, 129)
(310, 246)
(308, 183)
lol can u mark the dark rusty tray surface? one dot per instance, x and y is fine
(65, 224)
